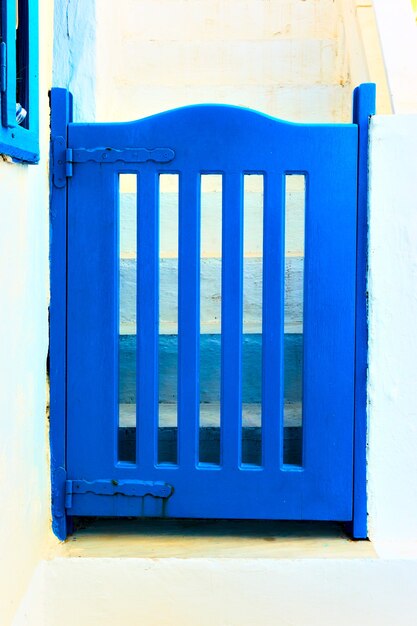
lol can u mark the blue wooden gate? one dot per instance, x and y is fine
(91, 476)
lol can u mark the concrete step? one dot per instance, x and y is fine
(218, 574)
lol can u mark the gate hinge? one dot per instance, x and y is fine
(126, 155)
(3, 67)
(64, 157)
(132, 488)
(61, 162)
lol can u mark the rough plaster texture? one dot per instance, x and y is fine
(392, 467)
(74, 53)
(24, 471)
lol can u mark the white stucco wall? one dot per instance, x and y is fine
(24, 472)
(392, 409)
(74, 52)
(398, 36)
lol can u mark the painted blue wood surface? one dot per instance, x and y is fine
(61, 103)
(273, 391)
(363, 108)
(147, 316)
(189, 378)
(232, 287)
(232, 141)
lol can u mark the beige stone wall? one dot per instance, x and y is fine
(286, 58)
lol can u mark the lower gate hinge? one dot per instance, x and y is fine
(61, 161)
(130, 488)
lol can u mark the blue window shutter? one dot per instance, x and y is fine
(21, 143)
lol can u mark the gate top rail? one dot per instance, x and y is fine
(206, 120)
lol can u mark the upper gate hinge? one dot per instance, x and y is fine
(64, 157)
(132, 488)
(3, 67)
(61, 162)
(126, 155)
(68, 162)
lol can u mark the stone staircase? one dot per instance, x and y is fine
(286, 58)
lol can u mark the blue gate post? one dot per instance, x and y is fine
(363, 108)
(61, 116)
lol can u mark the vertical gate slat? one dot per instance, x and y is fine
(188, 317)
(147, 316)
(232, 287)
(93, 304)
(273, 321)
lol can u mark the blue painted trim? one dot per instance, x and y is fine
(189, 341)
(22, 144)
(61, 116)
(363, 108)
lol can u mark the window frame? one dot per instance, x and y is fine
(22, 144)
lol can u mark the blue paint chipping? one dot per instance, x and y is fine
(86, 346)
